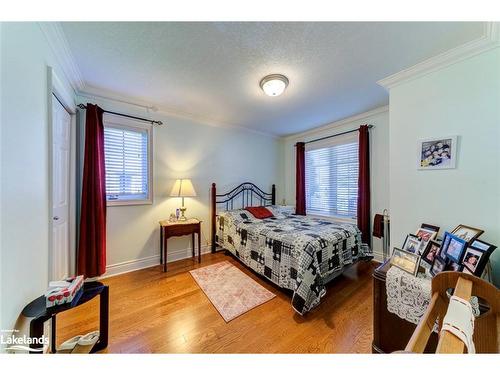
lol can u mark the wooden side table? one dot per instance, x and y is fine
(175, 229)
(390, 332)
(39, 313)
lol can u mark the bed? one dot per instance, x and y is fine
(295, 252)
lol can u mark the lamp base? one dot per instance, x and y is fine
(183, 211)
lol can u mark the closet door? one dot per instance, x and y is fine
(61, 140)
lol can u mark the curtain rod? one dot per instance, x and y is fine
(336, 135)
(153, 122)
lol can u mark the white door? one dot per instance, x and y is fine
(61, 138)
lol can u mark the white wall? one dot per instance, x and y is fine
(464, 100)
(1, 176)
(184, 148)
(25, 56)
(379, 157)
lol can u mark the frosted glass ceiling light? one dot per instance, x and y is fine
(274, 84)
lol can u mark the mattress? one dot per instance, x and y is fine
(299, 253)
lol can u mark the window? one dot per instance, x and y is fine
(128, 162)
(332, 178)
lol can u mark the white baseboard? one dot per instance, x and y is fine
(151, 261)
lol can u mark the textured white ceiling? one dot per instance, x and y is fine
(212, 70)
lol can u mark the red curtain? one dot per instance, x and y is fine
(300, 179)
(91, 260)
(364, 185)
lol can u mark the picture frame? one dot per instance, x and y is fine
(437, 267)
(426, 234)
(437, 153)
(412, 243)
(452, 266)
(465, 270)
(455, 248)
(476, 257)
(483, 246)
(408, 262)
(467, 233)
(431, 252)
(433, 228)
(444, 244)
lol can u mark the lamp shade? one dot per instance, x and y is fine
(183, 188)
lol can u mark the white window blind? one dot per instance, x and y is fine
(127, 164)
(332, 179)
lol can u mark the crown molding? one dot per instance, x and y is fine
(356, 118)
(489, 40)
(59, 45)
(102, 94)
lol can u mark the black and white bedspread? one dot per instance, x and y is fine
(295, 252)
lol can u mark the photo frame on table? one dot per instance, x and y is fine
(412, 243)
(437, 153)
(476, 257)
(452, 266)
(465, 270)
(438, 266)
(426, 234)
(430, 227)
(408, 262)
(455, 248)
(442, 251)
(431, 252)
(467, 233)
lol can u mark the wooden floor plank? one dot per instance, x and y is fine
(156, 312)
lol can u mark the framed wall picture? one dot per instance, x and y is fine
(431, 252)
(412, 243)
(455, 248)
(476, 257)
(467, 233)
(437, 153)
(405, 260)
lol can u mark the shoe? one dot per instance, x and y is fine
(68, 345)
(86, 343)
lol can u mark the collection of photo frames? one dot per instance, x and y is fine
(460, 250)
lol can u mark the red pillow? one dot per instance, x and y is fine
(260, 212)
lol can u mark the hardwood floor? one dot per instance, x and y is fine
(156, 312)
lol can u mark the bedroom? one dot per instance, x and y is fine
(282, 143)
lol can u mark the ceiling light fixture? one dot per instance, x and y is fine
(274, 84)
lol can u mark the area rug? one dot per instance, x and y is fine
(231, 291)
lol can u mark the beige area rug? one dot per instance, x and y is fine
(231, 291)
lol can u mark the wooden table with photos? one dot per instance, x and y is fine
(459, 250)
(402, 285)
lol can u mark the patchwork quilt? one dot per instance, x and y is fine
(295, 252)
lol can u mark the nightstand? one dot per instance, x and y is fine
(176, 229)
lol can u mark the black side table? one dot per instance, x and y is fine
(39, 314)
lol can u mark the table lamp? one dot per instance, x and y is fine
(183, 188)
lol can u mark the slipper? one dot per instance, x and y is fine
(86, 343)
(68, 345)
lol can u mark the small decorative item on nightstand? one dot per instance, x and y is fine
(183, 188)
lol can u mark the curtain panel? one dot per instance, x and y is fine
(91, 258)
(363, 217)
(300, 179)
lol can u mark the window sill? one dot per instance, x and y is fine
(132, 202)
(333, 218)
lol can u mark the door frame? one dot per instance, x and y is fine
(56, 88)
